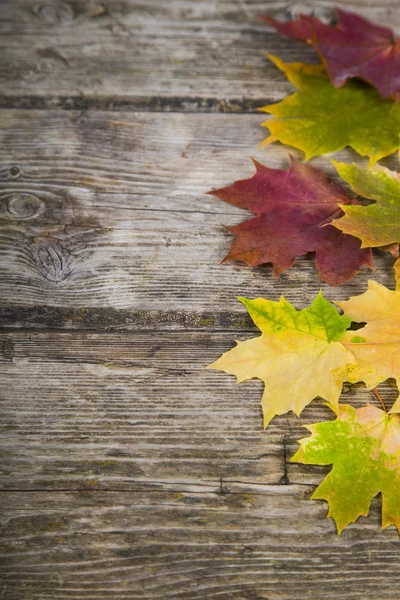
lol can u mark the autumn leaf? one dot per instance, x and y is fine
(376, 346)
(320, 118)
(363, 445)
(298, 355)
(292, 207)
(377, 224)
(299, 29)
(354, 48)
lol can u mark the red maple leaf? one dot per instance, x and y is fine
(299, 29)
(292, 208)
(354, 48)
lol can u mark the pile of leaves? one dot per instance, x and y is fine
(351, 99)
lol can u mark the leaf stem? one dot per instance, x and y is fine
(377, 394)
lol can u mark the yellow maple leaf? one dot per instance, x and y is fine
(376, 347)
(298, 355)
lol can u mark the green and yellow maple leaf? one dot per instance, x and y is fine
(320, 118)
(298, 355)
(376, 346)
(377, 224)
(363, 445)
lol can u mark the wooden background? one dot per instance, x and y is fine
(128, 471)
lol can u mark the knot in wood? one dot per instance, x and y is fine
(54, 12)
(21, 206)
(7, 350)
(53, 261)
(14, 172)
(326, 14)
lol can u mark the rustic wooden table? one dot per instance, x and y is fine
(128, 471)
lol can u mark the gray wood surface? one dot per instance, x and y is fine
(127, 470)
(154, 54)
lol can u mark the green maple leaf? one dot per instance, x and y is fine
(363, 445)
(298, 355)
(377, 224)
(320, 118)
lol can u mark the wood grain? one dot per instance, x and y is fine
(127, 470)
(273, 545)
(157, 54)
(139, 411)
(128, 411)
(100, 213)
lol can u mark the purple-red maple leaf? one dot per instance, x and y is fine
(299, 29)
(293, 209)
(354, 48)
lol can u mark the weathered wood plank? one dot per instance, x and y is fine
(128, 471)
(138, 411)
(163, 55)
(134, 412)
(100, 213)
(274, 545)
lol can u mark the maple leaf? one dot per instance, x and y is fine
(298, 355)
(354, 48)
(320, 118)
(299, 29)
(377, 224)
(363, 445)
(376, 346)
(292, 207)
